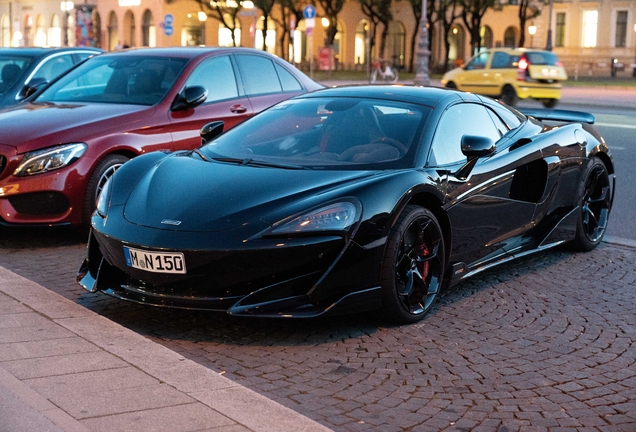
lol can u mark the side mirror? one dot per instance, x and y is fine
(477, 146)
(474, 147)
(33, 86)
(211, 131)
(189, 97)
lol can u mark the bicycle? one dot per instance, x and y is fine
(383, 70)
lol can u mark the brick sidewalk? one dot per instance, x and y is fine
(546, 343)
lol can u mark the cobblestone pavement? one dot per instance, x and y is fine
(546, 343)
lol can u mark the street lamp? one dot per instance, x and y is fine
(422, 52)
(634, 67)
(548, 45)
(532, 30)
(66, 7)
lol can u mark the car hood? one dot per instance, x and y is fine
(28, 126)
(187, 194)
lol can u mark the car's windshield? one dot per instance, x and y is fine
(11, 67)
(336, 133)
(140, 80)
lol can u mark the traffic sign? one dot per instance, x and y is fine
(309, 11)
(168, 19)
(168, 30)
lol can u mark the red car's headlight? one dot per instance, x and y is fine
(49, 159)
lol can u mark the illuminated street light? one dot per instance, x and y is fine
(532, 30)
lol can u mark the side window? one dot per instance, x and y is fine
(289, 82)
(259, 75)
(500, 60)
(457, 121)
(217, 76)
(511, 119)
(478, 62)
(54, 67)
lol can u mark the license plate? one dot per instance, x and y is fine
(158, 262)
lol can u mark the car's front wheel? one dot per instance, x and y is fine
(413, 266)
(596, 203)
(102, 172)
(549, 103)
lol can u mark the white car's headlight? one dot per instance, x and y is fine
(104, 198)
(49, 159)
(339, 216)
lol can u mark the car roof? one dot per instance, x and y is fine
(37, 51)
(517, 50)
(183, 52)
(429, 96)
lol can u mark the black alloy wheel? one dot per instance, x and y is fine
(509, 96)
(596, 203)
(413, 266)
(102, 172)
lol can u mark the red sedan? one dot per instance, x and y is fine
(58, 149)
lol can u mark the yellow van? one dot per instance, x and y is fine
(510, 74)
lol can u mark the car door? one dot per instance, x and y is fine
(225, 101)
(485, 210)
(477, 77)
(266, 82)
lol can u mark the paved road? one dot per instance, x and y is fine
(545, 343)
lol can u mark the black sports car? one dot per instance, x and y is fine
(349, 198)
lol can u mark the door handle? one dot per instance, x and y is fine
(238, 109)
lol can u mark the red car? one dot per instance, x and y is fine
(59, 148)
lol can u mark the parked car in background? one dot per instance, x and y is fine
(510, 74)
(346, 199)
(24, 70)
(58, 150)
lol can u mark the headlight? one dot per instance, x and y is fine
(104, 198)
(49, 159)
(338, 216)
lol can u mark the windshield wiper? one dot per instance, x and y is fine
(250, 161)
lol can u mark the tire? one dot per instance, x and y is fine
(374, 76)
(509, 96)
(413, 266)
(395, 77)
(596, 203)
(451, 85)
(102, 172)
(549, 103)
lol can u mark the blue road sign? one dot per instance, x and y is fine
(168, 30)
(168, 19)
(309, 12)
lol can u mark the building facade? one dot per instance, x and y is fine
(591, 37)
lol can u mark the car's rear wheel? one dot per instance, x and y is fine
(102, 172)
(549, 103)
(509, 96)
(596, 203)
(413, 266)
(451, 85)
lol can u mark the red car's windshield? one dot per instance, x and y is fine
(138, 80)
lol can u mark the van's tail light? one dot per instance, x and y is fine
(522, 67)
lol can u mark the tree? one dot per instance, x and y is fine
(331, 9)
(378, 11)
(472, 13)
(448, 14)
(266, 7)
(288, 9)
(224, 11)
(528, 9)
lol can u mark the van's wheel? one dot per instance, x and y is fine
(596, 203)
(509, 96)
(413, 266)
(549, 103)
(102, 172)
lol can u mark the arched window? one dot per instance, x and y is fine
(456, 49)
(361, 43)
(55, 32)
(485, 33)
(113, 36)
(193, 32)
(27, 34)
(40, 32)
(270, 37)
(70, 30)
(129, 30)
(396, 44)
(148, 30)
(300, 43)
(510, 37)
(5, 31)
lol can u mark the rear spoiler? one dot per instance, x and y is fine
(559, 115)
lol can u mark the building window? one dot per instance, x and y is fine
(360, 47)
(590, 24)
(621, 29)
(148, 30)
(560, 30)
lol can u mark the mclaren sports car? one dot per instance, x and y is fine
(352, 198)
